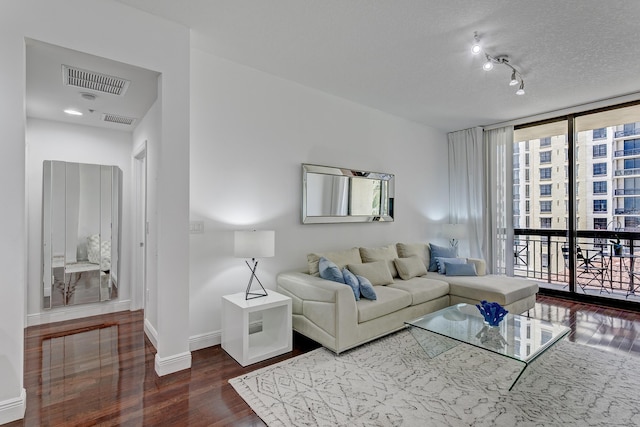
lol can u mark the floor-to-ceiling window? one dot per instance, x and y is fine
(577, 203)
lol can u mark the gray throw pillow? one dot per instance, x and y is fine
(410, 267)
(329, 271)
(351, 280)
(461, 269)
(377, 272)
(443, 262)
(439, 251)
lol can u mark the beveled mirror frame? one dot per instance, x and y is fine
(386, 199)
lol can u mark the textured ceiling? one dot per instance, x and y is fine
(411, 58)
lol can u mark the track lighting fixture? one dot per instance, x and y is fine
(516, 76)
(476, 48)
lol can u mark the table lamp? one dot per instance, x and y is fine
(254, 244)
(454, 232)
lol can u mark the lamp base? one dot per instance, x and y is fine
(252, 295)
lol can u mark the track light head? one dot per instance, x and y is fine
(514, 79)
(488, 65)
(520, 90)
(476, 48)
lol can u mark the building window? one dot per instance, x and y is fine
(599, 223)
(545, 206)
(526, 191)
(599, 205)
(526, 206)
(599, 134)
(600, 150)
(545, 173)
(545, 142)
(526, 175)
(544, 261)
(545, 222)
(599, 169)
(526, 159)
(545, 189)
(545, 157)
(599, 187)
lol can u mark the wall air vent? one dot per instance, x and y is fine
(104, 83)
(114, 118)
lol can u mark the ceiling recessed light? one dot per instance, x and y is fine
(73, 112)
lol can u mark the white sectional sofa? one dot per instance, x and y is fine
(328, 312)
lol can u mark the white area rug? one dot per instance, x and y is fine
(391, 382)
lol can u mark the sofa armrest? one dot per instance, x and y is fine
(329, 305)
(481, 265)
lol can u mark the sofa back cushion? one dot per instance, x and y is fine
(385, 253)
(421, 250)
(377, 272)
(339, 258)
(410, 267)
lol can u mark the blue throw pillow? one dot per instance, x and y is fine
(330, 271)
(351, 280)
(442, 263)
(442, 252)
(366, 288)
(461, 269)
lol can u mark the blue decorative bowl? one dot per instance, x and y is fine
(492, 312)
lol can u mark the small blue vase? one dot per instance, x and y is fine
(492, 312)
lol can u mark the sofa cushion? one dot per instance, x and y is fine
(385, 253)
(410, 267)
(422, 289)
(366, 288)
(421, 250)
(340, 258)
(377, 272)
(351, 280)
(389, 300)
(329, 271)
(466, 269)
(439, 251)
(502, 289)
(481, 265)
(442, 262)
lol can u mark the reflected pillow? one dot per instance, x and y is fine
(329, 271)
(461, 269)
(442, 263)
(410, 267)
(439, 251)
(351, 280)
(366, 288)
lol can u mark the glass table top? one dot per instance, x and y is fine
(518, 337)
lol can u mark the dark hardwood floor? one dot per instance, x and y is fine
(100, 370)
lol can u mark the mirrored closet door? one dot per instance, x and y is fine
(80, 233)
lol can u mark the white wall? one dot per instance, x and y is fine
(250, 133)
(114, 31)
(48, 140)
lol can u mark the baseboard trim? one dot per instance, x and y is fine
(61, 314)
(151, 333)
(198, 342)
(171, 364)
(13, 409)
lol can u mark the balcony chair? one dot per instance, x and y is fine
(588, 268)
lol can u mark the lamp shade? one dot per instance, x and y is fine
(254, 244)
(453, 231)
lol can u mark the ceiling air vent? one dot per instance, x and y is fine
(114, 118)
(104, 83)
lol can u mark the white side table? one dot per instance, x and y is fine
(276, 335)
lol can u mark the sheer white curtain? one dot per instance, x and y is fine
(498, 216)
(466, 191)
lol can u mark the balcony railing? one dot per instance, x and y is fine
(626, 211)
(627, 192)
(538, 254)
(627, 132)
(625, 153)
(627, 172)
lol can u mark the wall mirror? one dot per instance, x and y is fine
(81, 213)
(331, 194)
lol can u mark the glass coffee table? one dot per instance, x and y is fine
(517, 337)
